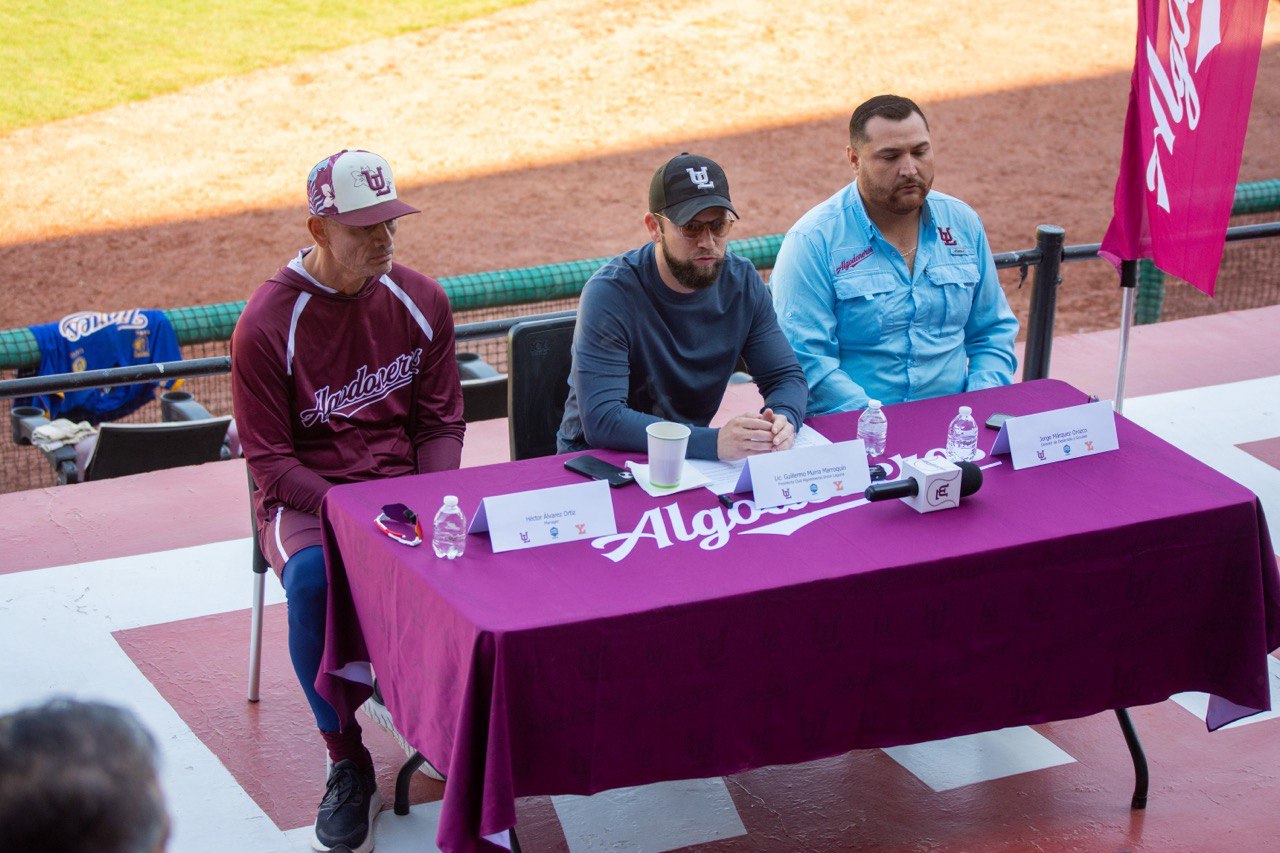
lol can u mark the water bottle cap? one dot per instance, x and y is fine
(450, 500)
(965, 410)
(873, 404)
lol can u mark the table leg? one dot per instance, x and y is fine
(1139, 759)
(403, 778)
(410, 766)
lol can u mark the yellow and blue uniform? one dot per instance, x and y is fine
(92, 341)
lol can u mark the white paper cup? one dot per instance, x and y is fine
(667, 444)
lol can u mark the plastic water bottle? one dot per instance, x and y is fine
(962, 436)
(449, 531)
(873, 428)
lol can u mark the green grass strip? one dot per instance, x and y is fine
(64, 58)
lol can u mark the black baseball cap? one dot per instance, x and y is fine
(687, 185)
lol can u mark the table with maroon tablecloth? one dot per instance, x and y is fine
(701, 642)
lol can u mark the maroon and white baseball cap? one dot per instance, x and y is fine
(355, 188)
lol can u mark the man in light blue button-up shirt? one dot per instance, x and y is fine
(888, 290)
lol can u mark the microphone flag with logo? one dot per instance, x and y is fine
(930, 484)
(1192, 84)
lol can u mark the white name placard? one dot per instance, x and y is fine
(806, 474)
(546, 516)
(1047, 437)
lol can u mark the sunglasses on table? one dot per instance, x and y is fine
(693, 229)
(400, 523)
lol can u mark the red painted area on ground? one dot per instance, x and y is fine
(1268, 450)
(1201, 782)
(1174, 355)
(1201, 788)
(486, 443)
(158, 511)
(272, 748)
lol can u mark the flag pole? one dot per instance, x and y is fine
(1129, 285)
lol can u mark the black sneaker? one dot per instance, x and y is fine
(351, 802)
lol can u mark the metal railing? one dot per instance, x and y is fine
(20, 468)
(485, 291)
(165, 371)
(473, 292)
(1047, 257)
(1259, 197)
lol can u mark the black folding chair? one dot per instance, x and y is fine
(484, 399)
(259, 565)
(124, 449)
(539, 355)
(484, 390)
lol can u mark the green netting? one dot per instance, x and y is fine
(1249, 277)
(553, 284)
(1257, 197)
(519, 286)
(1150, 293)
(18, 349)
(1241, 277)
(203, 323)
(761, 251)
(476, 292)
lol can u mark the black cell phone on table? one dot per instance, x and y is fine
(997, 420)
(598, 469)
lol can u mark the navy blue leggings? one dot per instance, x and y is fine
(306, 588)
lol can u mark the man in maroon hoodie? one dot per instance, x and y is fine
(342, 370)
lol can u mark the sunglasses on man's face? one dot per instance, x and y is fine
(400, 523)
(693, 229)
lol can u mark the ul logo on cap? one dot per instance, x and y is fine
(700, 179)
(373, 180)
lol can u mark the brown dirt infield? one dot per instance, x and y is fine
(529, 136)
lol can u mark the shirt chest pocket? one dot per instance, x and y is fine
(862, 304)
(950, 292)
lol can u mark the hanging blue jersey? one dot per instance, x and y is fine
(88, 340)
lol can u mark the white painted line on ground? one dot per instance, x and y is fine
(967, 760)
(56, 624)
(1207, 423)
(649, 818)
(393, 833)
(300, 838)
(415, 831)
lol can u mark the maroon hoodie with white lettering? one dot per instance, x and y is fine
(332, 389)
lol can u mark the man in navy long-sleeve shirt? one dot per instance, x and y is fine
(660, 330)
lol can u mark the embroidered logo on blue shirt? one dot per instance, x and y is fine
(949, 240)
(854, 261)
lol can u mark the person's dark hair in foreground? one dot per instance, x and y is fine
(79, 776)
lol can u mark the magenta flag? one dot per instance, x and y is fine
(1193, 78)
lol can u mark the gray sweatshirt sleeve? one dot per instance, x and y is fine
(601, 375)
(773, 363)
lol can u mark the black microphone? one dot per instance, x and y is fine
(970, 482)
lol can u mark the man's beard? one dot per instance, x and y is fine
(692, 275)
(903, 207)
